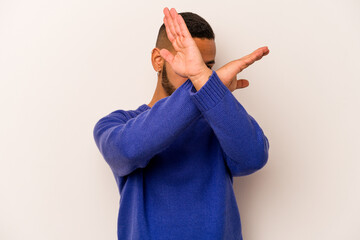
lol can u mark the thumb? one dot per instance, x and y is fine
(168, 56)
(242, 83)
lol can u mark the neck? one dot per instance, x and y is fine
(158, 94)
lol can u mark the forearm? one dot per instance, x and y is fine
(239, 135)
(127, 145)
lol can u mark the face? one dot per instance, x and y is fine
(171, 81)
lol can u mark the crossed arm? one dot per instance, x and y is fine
(241, 138)
(130, 144)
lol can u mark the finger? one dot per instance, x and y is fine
(252, 57)
(168, 56)
(242, 83)
(170, 24)
(266, 51)
(229, 70)
(175, 40)
(257, 54)
(174, 15)
(184, 30)
(178, 44)
(168, 32)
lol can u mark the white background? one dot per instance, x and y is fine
(65, 64)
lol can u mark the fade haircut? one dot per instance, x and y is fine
(198, 28)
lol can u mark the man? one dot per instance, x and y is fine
(174, 159)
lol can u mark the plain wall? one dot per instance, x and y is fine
(65, 64)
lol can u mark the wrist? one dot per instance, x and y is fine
(200, 79)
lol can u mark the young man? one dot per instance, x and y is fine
(174, 159)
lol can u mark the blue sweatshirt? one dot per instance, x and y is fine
(174, 163)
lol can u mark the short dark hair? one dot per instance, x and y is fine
(198, 28)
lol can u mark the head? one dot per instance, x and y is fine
(203, 36)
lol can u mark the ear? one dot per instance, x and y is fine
(156, 60)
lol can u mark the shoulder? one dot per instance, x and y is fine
(125, 115)
(120, 116)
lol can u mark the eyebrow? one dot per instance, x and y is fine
(210, 62)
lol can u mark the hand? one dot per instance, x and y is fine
(187, 62)
(227, 73)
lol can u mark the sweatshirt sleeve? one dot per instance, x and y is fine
(244, 145)
(128, 144)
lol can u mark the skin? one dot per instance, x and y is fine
(193, 58)
(168, 80)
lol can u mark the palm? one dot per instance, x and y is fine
(187, 60)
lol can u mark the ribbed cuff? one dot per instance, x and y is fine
(186, 85)
(210, 93)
